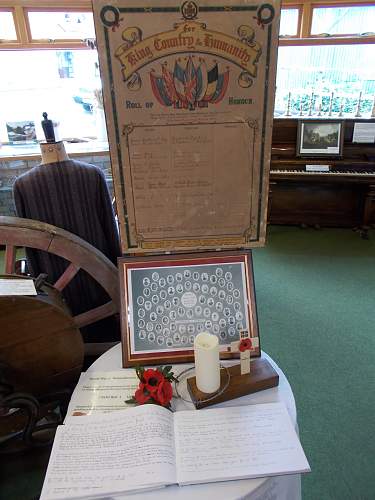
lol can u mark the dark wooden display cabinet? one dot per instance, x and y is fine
(342, 197)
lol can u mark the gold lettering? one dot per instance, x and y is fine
(182, 39)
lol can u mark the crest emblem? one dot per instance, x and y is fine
(189, 10)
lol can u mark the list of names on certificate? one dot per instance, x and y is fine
(191, 179)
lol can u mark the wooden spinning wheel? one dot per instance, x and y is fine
(41, 349)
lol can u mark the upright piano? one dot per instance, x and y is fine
(342, 196)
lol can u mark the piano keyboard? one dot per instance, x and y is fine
(343, 173)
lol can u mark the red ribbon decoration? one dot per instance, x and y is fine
(116, 24)
(259, 22)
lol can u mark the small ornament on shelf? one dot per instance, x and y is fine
(288, 113)
(320, 109)
(373, 109)
(301, 109)
(358, 113)
(330, 104)
(341, 107)
(311, 104)
(155, 386)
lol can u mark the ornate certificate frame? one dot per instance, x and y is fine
(188, 93)
(167, 300)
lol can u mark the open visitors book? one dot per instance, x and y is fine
(149, 447)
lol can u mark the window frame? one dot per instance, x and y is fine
(306, 38)
(298, 7)
(20, 9)
(337, 6)
(24, 41)
(11, 10)
(32, 40)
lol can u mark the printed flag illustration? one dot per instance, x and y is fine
(191, 86)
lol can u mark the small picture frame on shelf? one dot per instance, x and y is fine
(167, 300)
(21, 132)
(320, 138)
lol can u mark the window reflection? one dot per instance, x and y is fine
(61, 25)
(345, 70)
(7, 29)
(63, 83)
(343, 20)
(289, 22)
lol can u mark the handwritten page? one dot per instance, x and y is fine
(102, 392)
(113, 453)
(236, 443)
(17, 287)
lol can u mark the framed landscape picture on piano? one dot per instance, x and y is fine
(320, 138)
(167, 300)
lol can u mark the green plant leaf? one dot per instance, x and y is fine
(139, 370)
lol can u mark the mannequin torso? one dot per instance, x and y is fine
(72, 195)
(53, 152)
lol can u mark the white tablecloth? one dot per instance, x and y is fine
(274, 488)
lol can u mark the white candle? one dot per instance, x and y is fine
(207, 362)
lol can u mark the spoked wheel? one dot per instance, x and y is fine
(41, 349)
(17, 232)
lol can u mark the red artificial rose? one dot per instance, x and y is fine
(164, 393)
(152, 379)
(142, 395)
(245, 345)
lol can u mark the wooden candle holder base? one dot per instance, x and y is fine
(262, 376)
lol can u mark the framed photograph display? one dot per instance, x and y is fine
(21, 132)
(320, 138)
(188, 94)
(167, 300)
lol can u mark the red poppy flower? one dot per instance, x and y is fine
(152, 379)
(245, 345)
(164, 393)
(142, 395)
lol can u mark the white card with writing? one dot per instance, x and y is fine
(10, 286)
(317, 168)
(364, 132)
(102, 392)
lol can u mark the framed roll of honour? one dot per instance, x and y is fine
(188, 93)
(170, 299)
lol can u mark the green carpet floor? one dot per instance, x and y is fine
(316, 309)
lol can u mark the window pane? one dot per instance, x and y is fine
(7, 29)
(61, 25)
(289, 22)
(343, 20)
(345, 70)
(64, 83)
